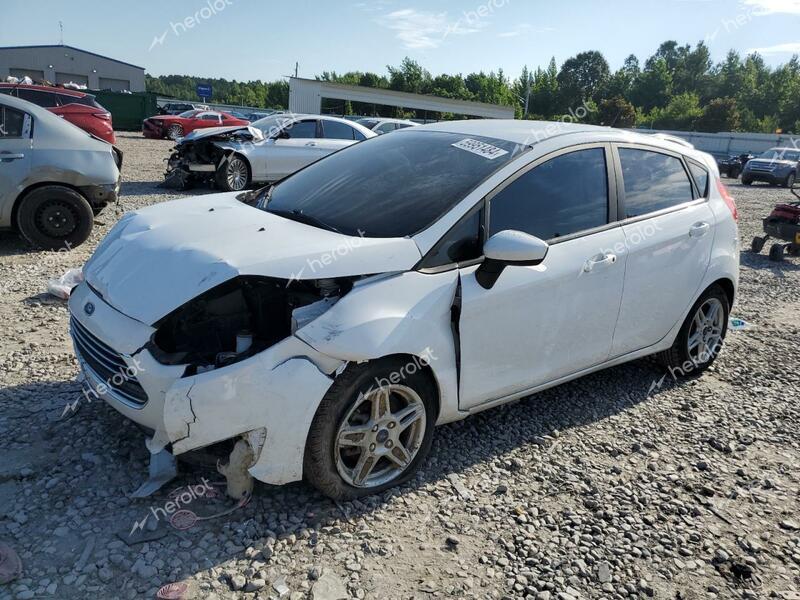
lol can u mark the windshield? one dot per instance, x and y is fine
(368, 123)
(189, 114)
(781, 154)
(392, 185)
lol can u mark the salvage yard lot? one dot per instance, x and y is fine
(621, 484)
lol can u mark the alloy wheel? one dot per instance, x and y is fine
(236, 174)
(705, 333)
(380, 436)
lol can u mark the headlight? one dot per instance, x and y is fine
(210, 331)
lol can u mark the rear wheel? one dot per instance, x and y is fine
(757, 244)
(234, 174)
(776, 252)
(55, 217)
(174, 132)
(700, 339)
(369, 434)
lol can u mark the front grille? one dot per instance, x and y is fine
(107, 364)
(762, 168)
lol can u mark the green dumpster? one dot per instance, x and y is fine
(128, 110)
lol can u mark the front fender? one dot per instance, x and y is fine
(409, 313)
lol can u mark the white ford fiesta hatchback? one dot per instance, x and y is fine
(321, 327)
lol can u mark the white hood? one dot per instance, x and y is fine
(158, 258)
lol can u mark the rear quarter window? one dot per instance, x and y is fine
(700, 175)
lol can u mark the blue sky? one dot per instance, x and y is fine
(260, 39)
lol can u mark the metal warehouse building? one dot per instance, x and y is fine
(63, 64)
(305, 96)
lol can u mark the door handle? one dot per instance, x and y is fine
(9, 156)
(699, 229)
(598, 261)
(311, 143)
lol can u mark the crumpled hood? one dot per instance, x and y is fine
(158, 258)
(251, 132)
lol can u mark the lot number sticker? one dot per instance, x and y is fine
(480, 148)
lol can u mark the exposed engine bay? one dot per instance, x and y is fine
(198, 159)
(240, 318)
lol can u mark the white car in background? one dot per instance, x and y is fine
(381, 126)
(263, 151)
(323, 326)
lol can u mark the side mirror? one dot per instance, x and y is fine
(509, 247)
(281, 135)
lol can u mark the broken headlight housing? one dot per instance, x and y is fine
(240, 318)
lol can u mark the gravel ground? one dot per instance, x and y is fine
(622, 484)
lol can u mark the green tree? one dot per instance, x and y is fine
(581, 78)
(721, 114)
(616, 112)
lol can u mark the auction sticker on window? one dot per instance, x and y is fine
(480, 148)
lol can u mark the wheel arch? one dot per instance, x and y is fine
(420, 364)
(35, 186)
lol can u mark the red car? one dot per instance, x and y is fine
(79, 108)
(177, 126)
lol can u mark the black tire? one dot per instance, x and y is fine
(320, 460)
(746, 181)
(677, 358)
(734, 173)
(229, 183)
(54, 217)
(789, 181)
(776, 252)
(757, 244)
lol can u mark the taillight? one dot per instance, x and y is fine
(102, 115)
(726, 196)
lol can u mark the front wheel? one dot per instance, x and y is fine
(55, 217)
(372, 430)
(233, 175)
(175, 132)
(700, 339)
(746, 180)
(789, 182)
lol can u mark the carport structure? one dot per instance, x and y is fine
(306, 95)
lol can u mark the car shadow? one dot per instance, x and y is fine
(109, 448)
(762, 262)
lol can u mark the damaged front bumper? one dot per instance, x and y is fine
(269, 399)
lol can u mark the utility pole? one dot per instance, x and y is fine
(61, 31)
(296, 65)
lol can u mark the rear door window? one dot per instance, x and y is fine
(653, 181)
(13, 123)
(333, 130)
(562, 196)
(38, 97)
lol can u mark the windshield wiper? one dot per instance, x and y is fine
(301, 217)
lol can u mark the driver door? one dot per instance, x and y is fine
(539, 323)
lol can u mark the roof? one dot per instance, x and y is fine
(122, 62)
(532, 132)
(46, 88)
(516, 131)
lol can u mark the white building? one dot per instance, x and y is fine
(305, 96)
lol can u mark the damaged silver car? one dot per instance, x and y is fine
(232, 158)
(54, 177)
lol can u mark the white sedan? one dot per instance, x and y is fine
(324, 325)
(266, 150)
(381, 125)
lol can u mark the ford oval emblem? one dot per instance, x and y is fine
(88, 308)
